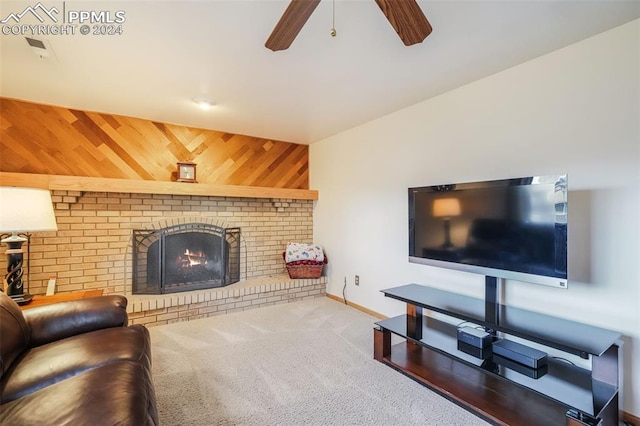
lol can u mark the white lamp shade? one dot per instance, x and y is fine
(26, 210)
(444, 207)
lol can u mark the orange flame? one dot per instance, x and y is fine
(195, 258)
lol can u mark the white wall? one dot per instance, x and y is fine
(575, 111)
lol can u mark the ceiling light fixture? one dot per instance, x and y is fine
(204, 103)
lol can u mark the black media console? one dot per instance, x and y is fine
(498, 389)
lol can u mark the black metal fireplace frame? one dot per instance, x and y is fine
(144, 238)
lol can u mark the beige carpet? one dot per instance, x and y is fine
(303, 363)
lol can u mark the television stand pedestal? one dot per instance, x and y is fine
(561, 393)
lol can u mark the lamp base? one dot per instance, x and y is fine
(22, 299)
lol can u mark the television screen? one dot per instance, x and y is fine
(512, 228)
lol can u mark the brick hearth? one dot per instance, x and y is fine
(242, 296)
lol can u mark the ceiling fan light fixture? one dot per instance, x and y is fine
(204, 103)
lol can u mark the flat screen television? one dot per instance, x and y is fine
(512, 228)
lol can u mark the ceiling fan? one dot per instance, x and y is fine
(405, 16)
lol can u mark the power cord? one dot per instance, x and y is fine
(344, 295)
(563, 359)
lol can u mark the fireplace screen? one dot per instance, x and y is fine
(185, 257)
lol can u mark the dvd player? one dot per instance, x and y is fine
(522, 354)
(534, 373)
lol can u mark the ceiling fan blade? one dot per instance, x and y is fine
(290, 24)
(406, 17)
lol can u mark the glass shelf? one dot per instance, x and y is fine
(566, 335)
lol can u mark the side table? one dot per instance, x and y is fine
(62, 297)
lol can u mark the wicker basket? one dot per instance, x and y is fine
(305, 269)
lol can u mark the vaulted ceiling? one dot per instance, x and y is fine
(171, 52)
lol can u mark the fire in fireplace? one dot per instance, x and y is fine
(185, 257)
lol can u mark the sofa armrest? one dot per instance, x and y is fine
(56, 321)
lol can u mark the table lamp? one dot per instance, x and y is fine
(22, 210)
(446, 208)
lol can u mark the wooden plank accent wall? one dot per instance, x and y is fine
(42, 139)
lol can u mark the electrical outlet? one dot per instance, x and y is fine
(357, 279)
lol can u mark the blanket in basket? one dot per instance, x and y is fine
(296, 252)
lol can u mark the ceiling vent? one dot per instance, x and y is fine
(42, 48)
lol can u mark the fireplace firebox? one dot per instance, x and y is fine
(184, 257)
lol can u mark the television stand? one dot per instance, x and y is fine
(502, 393)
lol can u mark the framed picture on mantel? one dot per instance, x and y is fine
(187, 172)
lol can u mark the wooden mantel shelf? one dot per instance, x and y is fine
(92, 184)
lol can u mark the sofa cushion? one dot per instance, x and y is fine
(45, 365)
(59, 320)
(13, 331)
(118, 393)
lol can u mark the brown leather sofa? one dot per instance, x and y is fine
(74, 363)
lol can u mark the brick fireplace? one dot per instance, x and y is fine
(93, 249)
